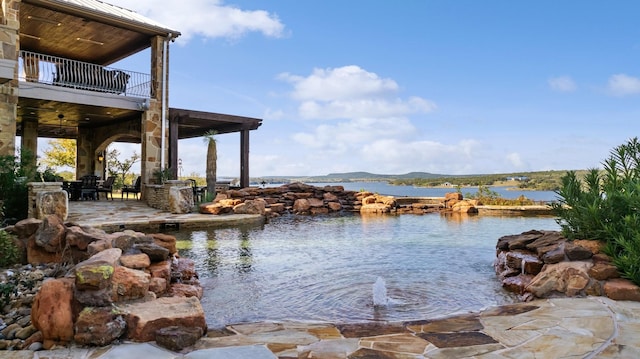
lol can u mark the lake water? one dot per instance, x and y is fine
(385, 188)
(322, 268)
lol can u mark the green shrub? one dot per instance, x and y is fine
(9, 252)
(15, 173)
(605, 206)
(7, 290)
(488, 197)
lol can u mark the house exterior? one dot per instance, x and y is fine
(57, 81)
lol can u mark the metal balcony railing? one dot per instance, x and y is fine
(58, 71)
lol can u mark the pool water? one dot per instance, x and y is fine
(323, 268)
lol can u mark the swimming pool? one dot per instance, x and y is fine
(306, 268)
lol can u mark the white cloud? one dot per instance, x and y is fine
(349, 136)
(207, 18)
(363, 108)
(343, 83)
(621, 85)
(351, 92)
(562, 84)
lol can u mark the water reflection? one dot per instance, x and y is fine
(215, 250)
(245, 258)
(325, 266)
(459, 217)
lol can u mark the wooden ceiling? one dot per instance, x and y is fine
(50, 31)
(74, 116)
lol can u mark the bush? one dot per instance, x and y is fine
(488, 197)
(15, 173)
(9, 252)
(605, 206)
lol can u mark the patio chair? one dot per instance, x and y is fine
(198, 192)
(135, 189)
(107, 188)
(89, 189)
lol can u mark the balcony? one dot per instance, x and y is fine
(58, 71)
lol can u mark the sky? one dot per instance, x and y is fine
(390, 87)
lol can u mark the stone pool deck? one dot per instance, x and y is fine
(555, 328)
(593, 327)
(118, 215)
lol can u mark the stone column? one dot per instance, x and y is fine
(47, 198)
(84, 154)
(29, 139)
(9, 49)
(151, 152)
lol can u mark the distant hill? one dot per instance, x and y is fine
(367, 175)
(349, 177)
(539, 180)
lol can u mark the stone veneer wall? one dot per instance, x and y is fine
(157, 196)
(47, 198)
(9, 46)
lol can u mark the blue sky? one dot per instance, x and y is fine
(449, 87)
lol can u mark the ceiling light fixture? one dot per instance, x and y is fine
(60, 131)
(90, 41)
(30, 36)
(42, 19)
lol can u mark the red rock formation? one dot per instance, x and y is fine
(52, 311)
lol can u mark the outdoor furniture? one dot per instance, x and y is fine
(89, 189)
(107, 188)
(89, 76)
(198, 192)
(73, 188)
(135, 189)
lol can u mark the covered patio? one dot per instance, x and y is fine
(70, 87)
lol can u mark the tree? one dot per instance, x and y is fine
(61, 153)
(212, 160)
(117, 167)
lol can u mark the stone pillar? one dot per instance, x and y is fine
(151, 152)
(47, 198)
(9, 49)
(29, 139)
(84, 154)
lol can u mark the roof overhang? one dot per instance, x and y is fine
(107, 14)
(192, 123)
(86, 30)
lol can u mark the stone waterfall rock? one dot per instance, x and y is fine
(51, 234)
(144, 319)
(565, 277)
(177, 338)
(180, 200)
(129, 284)
(99, 326)
(52, 311)
(255, 206)
(52, 203)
